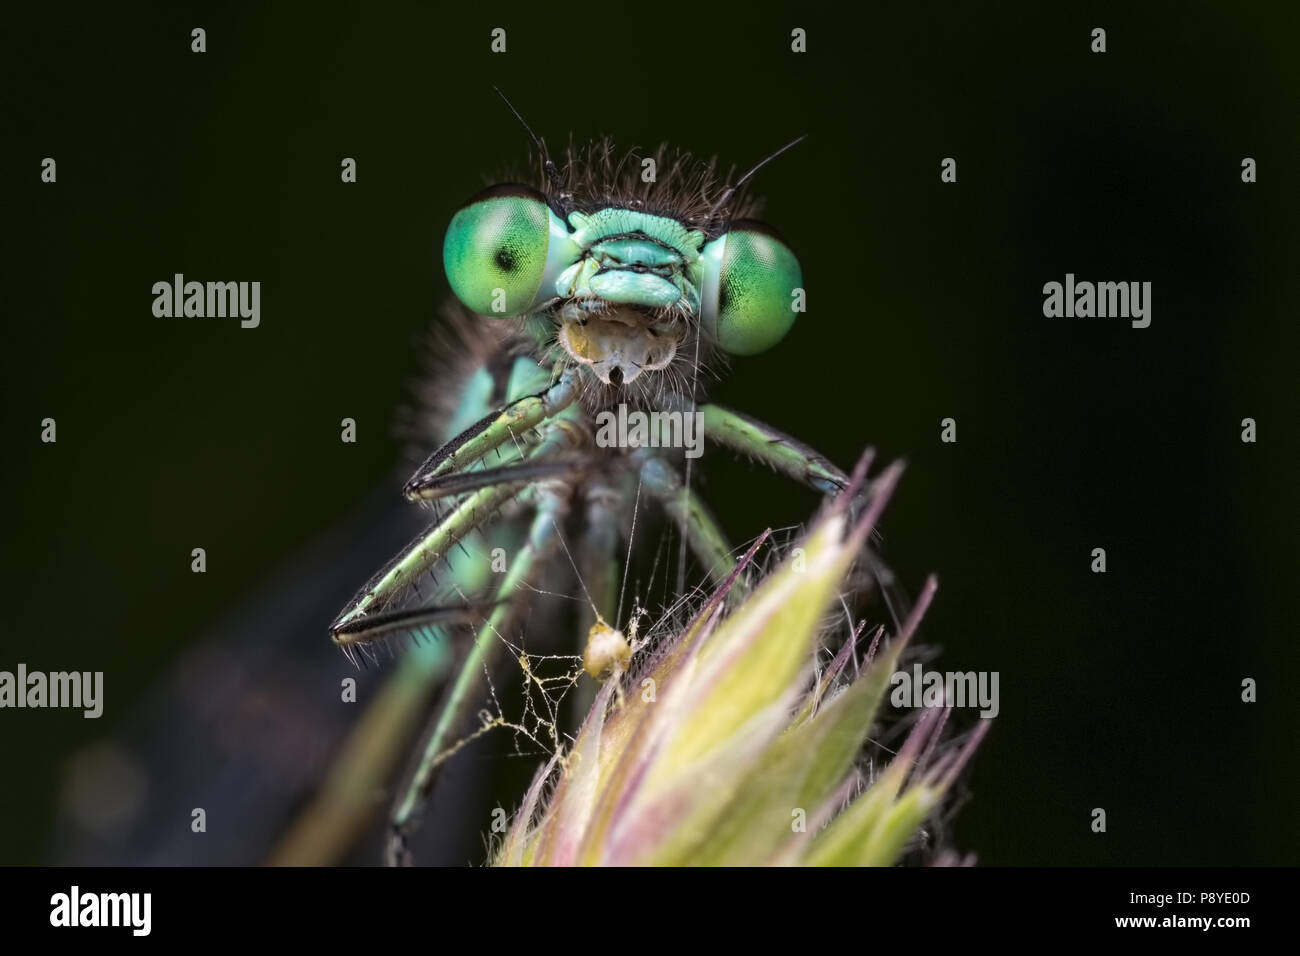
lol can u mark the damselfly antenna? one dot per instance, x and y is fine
(731, 191)
(552, 171)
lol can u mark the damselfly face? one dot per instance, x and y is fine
(635, 273)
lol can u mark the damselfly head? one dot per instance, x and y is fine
(636, 261)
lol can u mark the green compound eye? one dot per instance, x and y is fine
(749, 289)
(495, 251)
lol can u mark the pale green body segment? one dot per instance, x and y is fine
(590, 228)
(526, 378)
(666, 253)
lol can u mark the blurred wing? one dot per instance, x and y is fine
(245, 725)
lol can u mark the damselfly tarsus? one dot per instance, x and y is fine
(602, 287)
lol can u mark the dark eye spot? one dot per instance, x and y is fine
(505, 259)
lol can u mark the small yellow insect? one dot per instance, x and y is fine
(607, 649)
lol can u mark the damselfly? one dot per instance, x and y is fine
(621, 283)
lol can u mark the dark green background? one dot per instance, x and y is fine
(1119, 691)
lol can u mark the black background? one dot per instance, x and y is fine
(1119, 691)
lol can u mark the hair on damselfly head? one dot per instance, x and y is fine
(729, 191)
(552, 172)
(561, 182)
